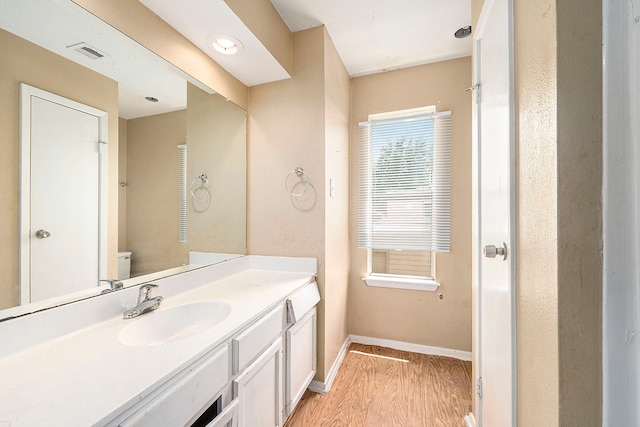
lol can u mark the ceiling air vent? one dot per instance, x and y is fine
(87, 50)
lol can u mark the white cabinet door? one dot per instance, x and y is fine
(300, 360)
(259, 389)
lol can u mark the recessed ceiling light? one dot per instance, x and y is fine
(151, 99)
(225, 44)
(463, 32)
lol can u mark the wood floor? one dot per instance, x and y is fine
(379, 387)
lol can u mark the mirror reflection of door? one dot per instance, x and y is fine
(62, 161)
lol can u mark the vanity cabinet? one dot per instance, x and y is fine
(189, 393)
(262, 372)
(239, 353)
(259, 389)
(270, 387)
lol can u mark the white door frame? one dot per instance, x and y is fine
(621, 209)
(26, 94)
(477, 240)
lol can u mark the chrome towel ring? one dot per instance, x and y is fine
(200, 187)
(304, 179)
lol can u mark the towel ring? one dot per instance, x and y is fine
(299, 172)
(202, 187)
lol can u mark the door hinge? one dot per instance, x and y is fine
(479, 387)
(476, 89)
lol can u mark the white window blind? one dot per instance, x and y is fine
(404, 183)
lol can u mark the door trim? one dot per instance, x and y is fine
(621, 224)
(476, 211)
(26, 94)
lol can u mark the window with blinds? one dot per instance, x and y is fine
(404, 190)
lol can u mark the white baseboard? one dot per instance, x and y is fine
(414, 348)
(324, 387)
(470, 420)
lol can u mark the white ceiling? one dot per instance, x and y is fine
(198, 20)
(55, 25)
(370, 35)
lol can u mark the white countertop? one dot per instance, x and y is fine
(87, 377)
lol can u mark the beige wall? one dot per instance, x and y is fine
(267, 25)
(289, 126)
(558, 101)
(536, 216)
(152, 192)
(215, 133)
(216, 146)
(476, 7)
(337, 106)
(579, 51)
(136, 21)
(406, 315)
(25, 62)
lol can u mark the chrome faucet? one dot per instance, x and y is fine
(114, 285)
(145, 302)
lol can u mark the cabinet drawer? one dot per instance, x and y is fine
(177, 404)
(256, 337)
(228, 415)
(299, 304)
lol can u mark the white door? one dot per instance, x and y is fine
(495, 272)
(61, 193)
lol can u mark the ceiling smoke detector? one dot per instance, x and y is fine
(463, 32)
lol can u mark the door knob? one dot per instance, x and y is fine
(491, 251)
(42, 234)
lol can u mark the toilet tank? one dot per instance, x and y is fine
(124, 265)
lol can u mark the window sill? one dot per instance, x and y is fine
(399, 282)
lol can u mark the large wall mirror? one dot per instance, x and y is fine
(175, 158)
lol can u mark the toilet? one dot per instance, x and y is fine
(124, 265)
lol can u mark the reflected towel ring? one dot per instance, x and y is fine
(203, 187)
(299, 172)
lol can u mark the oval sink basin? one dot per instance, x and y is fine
(164, 326)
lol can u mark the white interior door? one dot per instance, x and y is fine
(61, 193)
(495, 275)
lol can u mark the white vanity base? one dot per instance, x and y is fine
(66, 367)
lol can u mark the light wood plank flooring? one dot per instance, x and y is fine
(379, 387)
